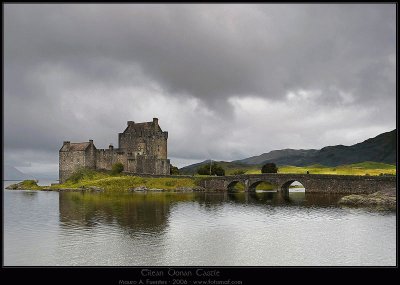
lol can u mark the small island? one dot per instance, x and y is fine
(100, 181)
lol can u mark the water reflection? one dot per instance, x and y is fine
(31, 195)
(138, 211)
(192, 229)
(150, 211)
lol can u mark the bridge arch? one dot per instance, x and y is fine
(285, 186)
(235, 186)
(253, 185)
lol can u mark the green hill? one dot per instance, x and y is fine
(381, 148)
(373, 156)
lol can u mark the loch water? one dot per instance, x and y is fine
(193, 229)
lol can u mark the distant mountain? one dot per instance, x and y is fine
(11, 173)
(283, 155)
(381, 148)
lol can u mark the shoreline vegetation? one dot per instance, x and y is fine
(100, 181)
(86, 180)
(92, 180)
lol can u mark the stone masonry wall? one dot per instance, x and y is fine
(105, 158)
(69, 162)
(90, 156)
(144, 139)
(146, 165)
(347, 184)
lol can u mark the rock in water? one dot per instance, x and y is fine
(138, 189)
(380, 200)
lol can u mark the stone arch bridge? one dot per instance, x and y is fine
(316, 183)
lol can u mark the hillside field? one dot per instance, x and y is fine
(364, 168)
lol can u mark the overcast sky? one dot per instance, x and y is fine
(226, 81)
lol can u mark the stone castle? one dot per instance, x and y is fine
(142, 149)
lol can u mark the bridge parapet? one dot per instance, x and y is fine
(312, 182)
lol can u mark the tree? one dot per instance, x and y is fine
(204, 170)
(117, 168)
(269, 168)
(173, 170)
(215, 170)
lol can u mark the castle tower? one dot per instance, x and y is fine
(142, 149)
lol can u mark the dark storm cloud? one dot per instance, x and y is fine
(208, 50)
(69, 65)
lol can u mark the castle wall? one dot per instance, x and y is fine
(142, 149)
(105, 158)
(146, 165)
(90, 156)
(163, 167)
(160, 148)
(70, 161)
(144, 139)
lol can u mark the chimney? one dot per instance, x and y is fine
(155, 121)
(91, 141)
(131, 123)
(110, 147)
(66, 143)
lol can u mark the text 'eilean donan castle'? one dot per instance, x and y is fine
(142, 149)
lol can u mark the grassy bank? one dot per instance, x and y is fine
(26, 184)
(122, 182)
(90, 179)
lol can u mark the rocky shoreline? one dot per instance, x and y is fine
(142, 188)
(381, 200)
(23, 186)
(384, 200)
(179, 189)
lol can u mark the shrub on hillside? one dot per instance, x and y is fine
(173, 170)
(117, 168)
(269, 168)
(80, 173)
(215, 170)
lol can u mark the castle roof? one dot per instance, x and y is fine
(136, 127)
(76, 146)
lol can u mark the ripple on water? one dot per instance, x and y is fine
(48, 229)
